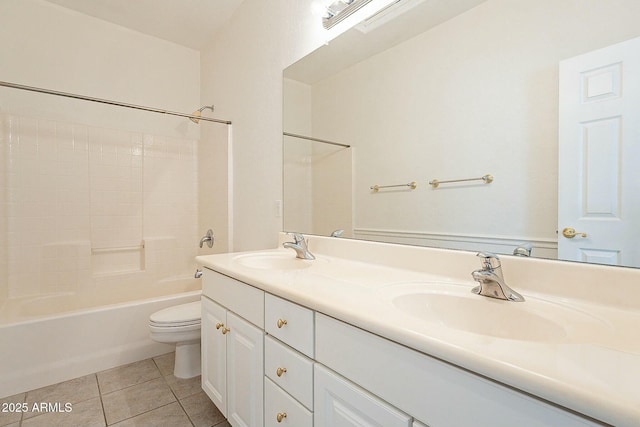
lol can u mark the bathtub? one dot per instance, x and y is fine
(52, 338)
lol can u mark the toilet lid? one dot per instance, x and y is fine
(182, 314)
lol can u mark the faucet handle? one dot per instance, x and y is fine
(337, 233)
(490, 261)
(208, 238)
(297, 237)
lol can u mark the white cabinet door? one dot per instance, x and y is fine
(245, 373)
(339, 403)
(214, 354)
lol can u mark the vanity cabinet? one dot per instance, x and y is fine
(270, 362)
(233, 349)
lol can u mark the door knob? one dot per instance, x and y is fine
(570, 233)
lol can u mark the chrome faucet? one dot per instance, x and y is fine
(491, 280)
(337, 233)
(524, 249)
(299, 245)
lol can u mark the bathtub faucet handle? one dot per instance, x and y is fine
(208, 238)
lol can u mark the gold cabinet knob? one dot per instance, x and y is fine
(280, 371)
(570, 233)
(219, 325)
(225, 331)
(281, 416)
(281, 323)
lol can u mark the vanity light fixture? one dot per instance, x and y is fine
(386, 14)
(339, 10)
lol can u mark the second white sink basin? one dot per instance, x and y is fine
(455, 307)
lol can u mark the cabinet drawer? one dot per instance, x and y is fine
(290, 323)
(278, 403)
(242, 299)
(296, 370)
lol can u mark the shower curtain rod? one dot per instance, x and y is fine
(309, 138)
(106, 101)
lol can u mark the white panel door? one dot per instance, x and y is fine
(245, 373)
(599, 156)
(214, 354)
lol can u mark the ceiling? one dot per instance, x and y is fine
(190, 23)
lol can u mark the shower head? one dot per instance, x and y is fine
(198, 113)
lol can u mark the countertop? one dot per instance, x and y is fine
(596, 373)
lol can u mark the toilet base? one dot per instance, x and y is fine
(187, 364)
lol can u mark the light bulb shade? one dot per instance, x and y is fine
(341, 9)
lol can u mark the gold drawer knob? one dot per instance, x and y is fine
(281, 416)
(280, 371)
(225, 331)
(281, 323)
(219, 325)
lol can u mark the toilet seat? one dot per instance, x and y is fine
(173, 324)
(177, 316)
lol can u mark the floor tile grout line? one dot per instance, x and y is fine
(24, 400)
(104, 413)
(26, 396)
(130, 386)
(82, 400)
(137, 384)
(126, 388)
(122, 366)
(177, 399)
(141, 413)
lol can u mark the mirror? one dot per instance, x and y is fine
(443, 91)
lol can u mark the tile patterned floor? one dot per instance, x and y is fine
(143, 393)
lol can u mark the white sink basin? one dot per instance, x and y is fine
(273, 261)
(454, 306)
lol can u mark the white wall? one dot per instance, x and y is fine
(78, 175)
(242, 69)
(49, 46)
(242, 72)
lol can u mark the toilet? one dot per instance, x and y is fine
(180, 325)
